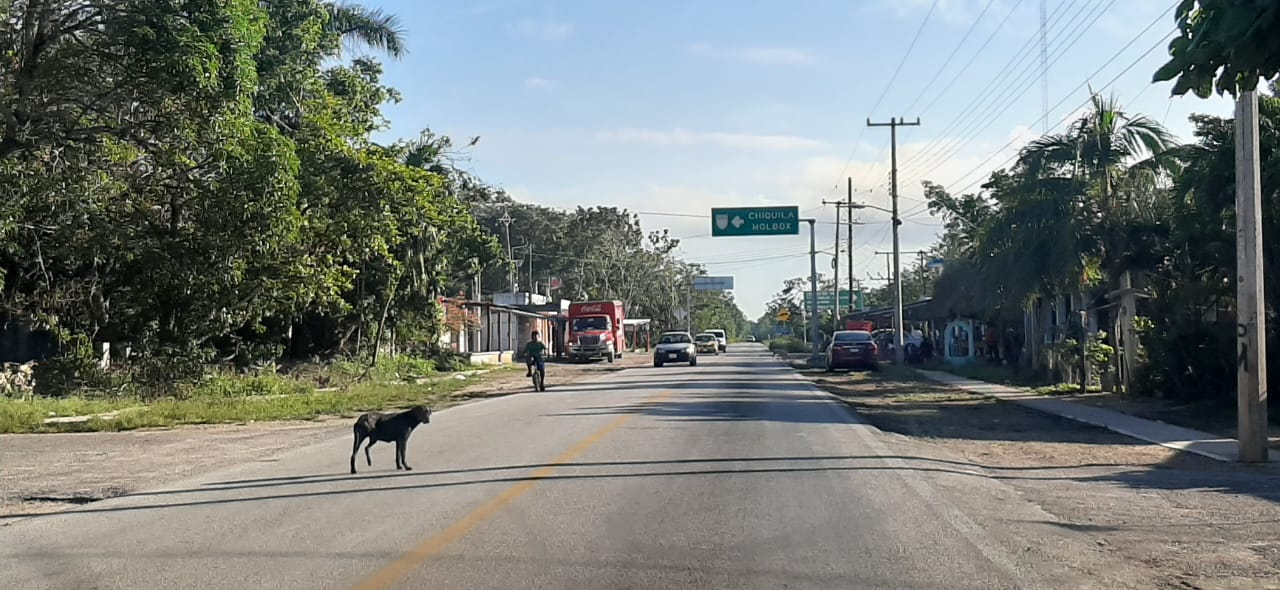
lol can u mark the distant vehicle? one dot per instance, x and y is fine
(707, 342)
(722, 337)
(595, 330)
(675, 347)
(751, 338)
(859, 325)
(852, 349)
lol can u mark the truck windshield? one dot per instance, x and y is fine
(590, 323)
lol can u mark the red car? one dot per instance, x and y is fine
(852, 349)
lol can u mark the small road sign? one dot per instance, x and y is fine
(784, 315)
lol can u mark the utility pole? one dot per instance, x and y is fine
(531, 287)
(835, 277)
(853, 293)
(813, 282)
(1251, 362)
(835, 266)
(506, 220)
(849, 204)
(893, 124)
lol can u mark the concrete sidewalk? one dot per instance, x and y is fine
(1175, 437)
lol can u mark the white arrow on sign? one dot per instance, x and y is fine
(737, 221)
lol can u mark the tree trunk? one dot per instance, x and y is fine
(382, 320)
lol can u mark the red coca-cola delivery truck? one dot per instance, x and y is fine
(595, 330)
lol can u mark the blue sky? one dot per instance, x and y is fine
(671, 108)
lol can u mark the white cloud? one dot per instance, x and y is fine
(536, 82)
(732, 140)
(543, 30)
(771, 56)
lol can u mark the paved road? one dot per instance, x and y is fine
(732, 474)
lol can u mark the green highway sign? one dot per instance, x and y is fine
(825, 299)
(755, 221)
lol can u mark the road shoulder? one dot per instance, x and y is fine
(44, 473)
(1190, 521)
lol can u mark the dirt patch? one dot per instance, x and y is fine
(42, 473)
(1193, 522)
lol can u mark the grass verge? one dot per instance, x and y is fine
(990, 373)
(231, 399)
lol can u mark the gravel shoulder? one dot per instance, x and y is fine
(1190, 522)
(41, 473)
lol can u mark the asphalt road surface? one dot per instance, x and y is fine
(732, 474)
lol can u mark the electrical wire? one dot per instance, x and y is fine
(858, 141)
(965, 68)
(994, 99)
(991, 89)
(928, 85)
(989, 118)
(1135, 62)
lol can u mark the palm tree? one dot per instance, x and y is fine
(1075, 212)
(366, 26)
(1090, 184)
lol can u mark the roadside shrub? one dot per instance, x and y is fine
(403, 367)
(170, 371)
(448, 361)
(230, 386)
(787, 344)
(1188, 360)
(73, 370)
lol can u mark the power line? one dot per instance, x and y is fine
(978, 109)
(858, 141)
(980, 165)
(988, 118)
(928, 85)
(951, 83)
(991, 89)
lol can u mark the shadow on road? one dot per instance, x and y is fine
(293, 487)
(305, 486)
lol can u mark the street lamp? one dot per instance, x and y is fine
(506, 220)
(897, 280)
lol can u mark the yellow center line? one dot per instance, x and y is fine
(398, 569)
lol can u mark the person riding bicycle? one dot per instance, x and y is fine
(535, 352)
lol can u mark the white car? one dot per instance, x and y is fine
(722, 336)
(675, 347)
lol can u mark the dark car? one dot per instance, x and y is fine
(852, 349)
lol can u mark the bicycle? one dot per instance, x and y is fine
(538, 380)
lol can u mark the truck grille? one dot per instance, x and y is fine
(589, 340)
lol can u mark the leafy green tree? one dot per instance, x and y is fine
(1223, 45)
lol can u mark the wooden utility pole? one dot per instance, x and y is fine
(835, 279)
(893, 125)
(1251, 362)
(853, 293)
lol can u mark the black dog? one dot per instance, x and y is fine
(379, 427)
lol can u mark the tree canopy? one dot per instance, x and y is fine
(1223, 45)
(199, 178)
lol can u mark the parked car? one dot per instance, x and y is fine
(852, 349)
(722, 337)
(706, 342)
(751, 338)
(675, 347)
